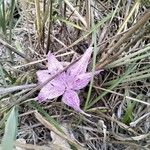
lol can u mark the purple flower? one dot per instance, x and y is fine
(67, 83)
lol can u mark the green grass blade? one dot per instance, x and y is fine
(93, 70)
(36, 106)
(134, 77)
(127, 117)
(115, 84)
(2, 121)
(140, 54)
(3, 18)
(10, 130)
(12, 8)
(117, 8)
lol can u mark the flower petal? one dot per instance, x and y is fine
(71, 99)
(80, 66)
(54, 65)
(43, 75)
(82, 80)
(59, 80)
(50, 91)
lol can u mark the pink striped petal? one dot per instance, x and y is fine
(54, 65)
(49, 92)
(71, 99)
(43, 75)
(80, 66)
(82, 80)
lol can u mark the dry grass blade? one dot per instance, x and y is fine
(31, 146)
(14, 50)
(54, 129)
(120, 124)
(76, 12)
(49, 27)
(100, 23)
(128, 97)
(16, 88)
(124, 38)
(38, 17)
(41, 60)
(130, 145)
(89, 15)
(136, 5)
(136, 138)
(134, 123)
(10, 130)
